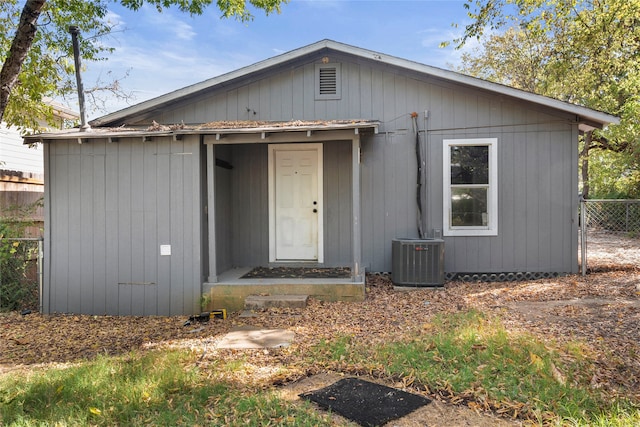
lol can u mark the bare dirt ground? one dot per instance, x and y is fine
(601, 309)
(612, 249)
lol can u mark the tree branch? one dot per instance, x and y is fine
(20, 46)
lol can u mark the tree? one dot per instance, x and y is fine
(513, 58)
(581, 51)
(35, 46)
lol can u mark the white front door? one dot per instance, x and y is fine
(295, 202)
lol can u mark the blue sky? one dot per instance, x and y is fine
(166, 51)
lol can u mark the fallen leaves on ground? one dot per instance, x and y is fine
(40, 339)
(601, 309)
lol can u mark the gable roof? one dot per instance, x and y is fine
(589, 117)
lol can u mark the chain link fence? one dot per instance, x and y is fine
(610, 232)
(21, 261)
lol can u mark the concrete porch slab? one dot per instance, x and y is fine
(246, 338)
(230, 290)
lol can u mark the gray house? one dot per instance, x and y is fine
(319, 157)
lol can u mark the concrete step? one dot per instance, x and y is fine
(260, 302)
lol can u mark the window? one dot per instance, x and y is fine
(470, 203)
(328, 81)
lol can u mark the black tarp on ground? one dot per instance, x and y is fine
(364, 402)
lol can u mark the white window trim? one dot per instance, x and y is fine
(491, 229)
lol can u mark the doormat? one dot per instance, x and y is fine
(364, 402)
(298, 273)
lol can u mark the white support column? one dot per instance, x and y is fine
(211, 212)
(357, 271)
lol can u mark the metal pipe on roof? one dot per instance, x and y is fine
(84, 126)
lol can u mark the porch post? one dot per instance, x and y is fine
(357, 271)
(211, 212)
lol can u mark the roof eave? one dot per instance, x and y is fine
(113, 134)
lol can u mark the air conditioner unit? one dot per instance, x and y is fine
(417, 262)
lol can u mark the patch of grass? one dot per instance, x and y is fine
(158, 388)
(470, 357)
(470, 354)
(615, 416)
(337, 349)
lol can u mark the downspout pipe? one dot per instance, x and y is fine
(74, 31)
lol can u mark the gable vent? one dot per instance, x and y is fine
(328, 81)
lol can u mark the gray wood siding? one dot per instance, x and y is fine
(224, 210)
(537, 162)
(337, 203)
(388, 171)
(537, 193)
(250, 204)
(113, 206)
